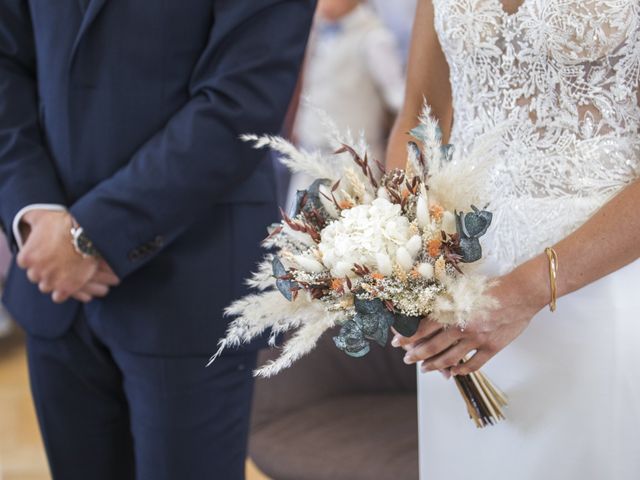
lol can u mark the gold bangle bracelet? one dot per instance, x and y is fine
(552, 256)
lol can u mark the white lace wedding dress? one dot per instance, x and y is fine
(556, 86)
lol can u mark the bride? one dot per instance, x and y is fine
(556, 83)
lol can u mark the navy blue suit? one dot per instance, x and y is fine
(128, 113)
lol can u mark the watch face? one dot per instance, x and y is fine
(85, 246)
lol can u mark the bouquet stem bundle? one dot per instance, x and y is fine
(484, 400)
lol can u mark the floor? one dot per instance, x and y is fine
(21, 453)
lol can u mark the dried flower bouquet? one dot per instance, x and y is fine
(366, 250)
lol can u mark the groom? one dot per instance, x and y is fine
(135, 213)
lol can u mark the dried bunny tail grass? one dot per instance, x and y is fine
(432, 135)
(301, 343)
(314, 312)
(296, 160)
(333, 135)
(362, 147)
(413, 167)
(458, 184)
(257, 313)
(337, 139)
(262, 279)
(467, 297)
(358, 188)
(455, 186)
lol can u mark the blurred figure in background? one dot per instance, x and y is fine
(398, 16)
(354, 73)
(5, 259)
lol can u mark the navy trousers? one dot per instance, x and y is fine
(108, 414)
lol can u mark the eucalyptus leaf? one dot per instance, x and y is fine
(309, 200)
(405, 325)
(419, 133)
(351, 340)
(471, 226)
(447, 152)
(286, 287)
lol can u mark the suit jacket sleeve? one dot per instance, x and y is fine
(27, 174)
(242, 83)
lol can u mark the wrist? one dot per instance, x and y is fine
(531, 282)
(32, 217)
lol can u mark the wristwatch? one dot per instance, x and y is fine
(82, 244)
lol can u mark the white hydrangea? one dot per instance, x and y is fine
(368, 235)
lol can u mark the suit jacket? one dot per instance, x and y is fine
(128, 112)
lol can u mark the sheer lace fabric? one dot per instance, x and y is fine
(557, 84)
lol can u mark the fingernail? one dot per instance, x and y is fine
(446, 374)
(408, 359)
(395, 341)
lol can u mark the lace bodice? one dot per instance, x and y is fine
(557, 84)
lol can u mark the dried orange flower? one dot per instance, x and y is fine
(336, 284)
(434, 247)
(436, 211)
(377, 276)
(345, 205)
(415, 273)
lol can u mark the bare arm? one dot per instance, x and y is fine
(427, 78)
(605, 243)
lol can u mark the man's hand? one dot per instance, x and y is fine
(99, 285)
(53, 264)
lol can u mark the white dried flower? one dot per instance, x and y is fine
(298, 237)
(325, 195)
(342, 269)
(426, 270)
(385, 267)
(358, 188)
(362, 233)
(414, 245)
(422, 211)
(449, 222)
(404, 258)
(308, 264)
(382, 193)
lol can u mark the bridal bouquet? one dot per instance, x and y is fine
(365, 250)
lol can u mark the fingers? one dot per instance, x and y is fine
(448, 358)
(23, 259)
(427, 328)
(475, 363)
(33, 275)
(433, 346)
(95, 289)
(60, 296)
(106, 278)
(45, 287)
(82, 297)
(91, 291)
